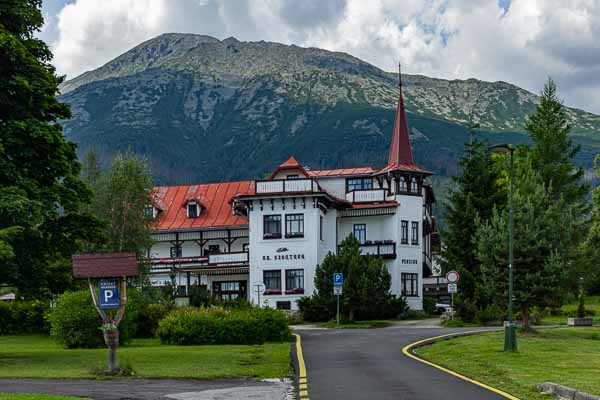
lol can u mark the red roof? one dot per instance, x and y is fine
(404, 167)
(216, 201)
(340, 171)
(289, 164)
(400, 151)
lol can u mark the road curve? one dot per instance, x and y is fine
(348, 364)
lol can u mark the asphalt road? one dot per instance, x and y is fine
(361, 364)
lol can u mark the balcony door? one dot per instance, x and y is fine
(230, 290)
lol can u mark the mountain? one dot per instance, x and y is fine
(203, 110)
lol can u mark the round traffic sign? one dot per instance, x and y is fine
(452, 277)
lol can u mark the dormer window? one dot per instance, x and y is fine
(150, 212)
(192, 209)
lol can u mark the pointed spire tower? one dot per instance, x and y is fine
(400, 157)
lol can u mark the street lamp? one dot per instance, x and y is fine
(510, 329)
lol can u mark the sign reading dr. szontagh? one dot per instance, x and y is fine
(109, 293)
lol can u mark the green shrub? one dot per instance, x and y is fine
(491, 313)
(217, 325)
(149, 316)
(466, 310)
(429, 305)
(75, 323)
(23, 317)
(315, 309)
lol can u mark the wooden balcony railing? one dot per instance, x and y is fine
(286, 186)
(366, 196)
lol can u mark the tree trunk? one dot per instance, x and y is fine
(112, 342)
(525, 318)
(351, 314)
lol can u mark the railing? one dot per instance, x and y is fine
(384, 249)
(286, 186)
(228, 258)
(366, 196)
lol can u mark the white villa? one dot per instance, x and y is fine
(262, 239)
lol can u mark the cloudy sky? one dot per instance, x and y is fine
(518, 41)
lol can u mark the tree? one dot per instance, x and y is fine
(366, 283)
(553, 151)
(41, 195)
(122, 195)
(540, 267)
(470, 203)
(552, 158)
(591, 246)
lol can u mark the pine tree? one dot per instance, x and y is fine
(471, 202)
(41, 195)
(540, 265)
(591, 246)
(553, 151)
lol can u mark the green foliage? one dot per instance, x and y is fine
(591, 247)
(75, 323)
(429, 305)
(366, 286)
(23, 317)
(121, 195)
(314, 308)
(41, 195)
(470, 203)
(543, 229)
(215, 325)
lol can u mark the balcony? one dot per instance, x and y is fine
(381, 248)
(366, 196)
(286, 186)
(240, 257)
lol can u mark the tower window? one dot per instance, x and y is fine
(402, 185)
(414, 186)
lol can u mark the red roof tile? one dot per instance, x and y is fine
(289, 164)
(340, 171)
(214, 197)
(404, 167)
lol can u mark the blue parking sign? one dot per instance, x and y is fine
(338, 279)
(109, 293)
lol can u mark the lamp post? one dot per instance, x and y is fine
(510, 329)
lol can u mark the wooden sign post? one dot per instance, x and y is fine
(113, 292)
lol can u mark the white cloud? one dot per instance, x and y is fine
(522, 43)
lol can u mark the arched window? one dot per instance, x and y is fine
(414, 187)
(402, 184)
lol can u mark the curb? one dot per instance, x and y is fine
(408, 351)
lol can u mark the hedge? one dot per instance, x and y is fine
(23, 317)
(75, 323)
(217, 325)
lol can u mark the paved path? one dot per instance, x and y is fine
(146, 389)
(361, 364)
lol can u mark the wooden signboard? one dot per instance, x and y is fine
(113, 292)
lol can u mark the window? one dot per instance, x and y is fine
(414, 187)
(192, 210)
(294, 225)
(294, 281)
(272, 281)
(212, 249)
(404, 232)
(409, 284)
(272, 227)
(321, 227)
(284, 305)
(149, 212)
(359, 184)
(230, 290)
(360, 232)
(176, 252)
(292, 177)
(402, 185)
(414, 233)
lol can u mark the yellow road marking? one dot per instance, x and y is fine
(408, 348)
(302, 379)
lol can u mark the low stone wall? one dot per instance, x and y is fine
(565, 393)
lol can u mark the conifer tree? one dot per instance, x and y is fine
(470, 203)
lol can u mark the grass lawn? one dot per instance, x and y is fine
(33, 356)
(357, 324)
(28, 396)
(568, 356)
(591, 303)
